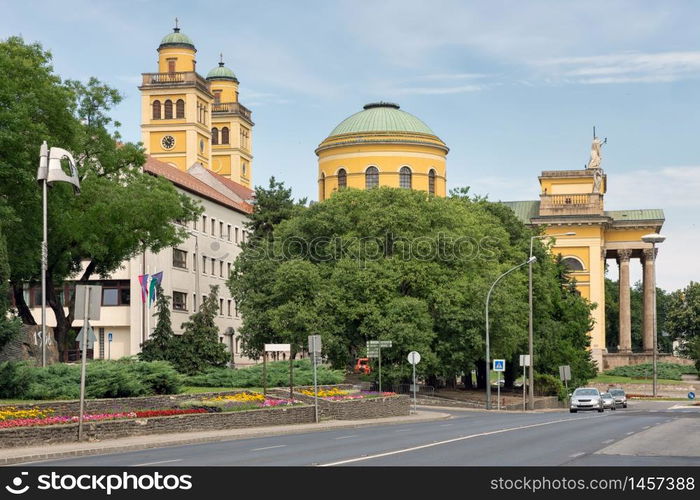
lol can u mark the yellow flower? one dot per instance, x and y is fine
(241, 397)
(11, 413)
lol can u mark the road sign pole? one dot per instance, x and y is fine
(524, 386)
(313, 353)
(414, 389)
(498, 381)
(84, 345)
(380, 367)
(291, 375)
(264, 380)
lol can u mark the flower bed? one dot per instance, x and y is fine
(237, 402)
(335, 394)
(13, 413)
(53, 420)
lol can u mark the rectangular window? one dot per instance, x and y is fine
(194, 224)
(124, 296)
(221, 269)
(235, 308)
(221, 230)
(229, 308)
(213, 266)
(179, 258)
(194, 302)
(179, 301)
(213, 227)
(236, 235)
(221, 307)
(171, 65)
(228, 269)
(243, 235)
(217, 96)
(204, 264)
(204, 223)
(194, 262)
(110, 296)
(228, 232)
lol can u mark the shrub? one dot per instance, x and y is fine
(277, 375)
(548, 385)
(671, 371)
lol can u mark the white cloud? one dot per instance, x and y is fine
(460, 89)
(676, 186)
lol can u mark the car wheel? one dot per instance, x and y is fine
(624, 405)
(601, 410)
(572, 411)
(614, 408)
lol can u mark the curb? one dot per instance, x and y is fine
(235, 434)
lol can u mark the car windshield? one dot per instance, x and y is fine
(617, 392)
(606, 395)
(585, 392)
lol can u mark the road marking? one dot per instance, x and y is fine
(608, 441)
(576, 455)
(630, 433)
(269, 447)
(347, 437)
(445, 425)
(448, 441)
(154, 463)
(403, 430)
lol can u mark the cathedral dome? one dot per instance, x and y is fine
(176, 39)
(381, 117)
(221, 72)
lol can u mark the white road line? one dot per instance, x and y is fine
(608, 441)
(269, 447)
(454, 440)
(445, 425)
(646, 426)
(155, 463)
(630, 433)
(576, 455)
(403, 430)
(347, 437)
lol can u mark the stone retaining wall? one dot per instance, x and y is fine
(110, 429)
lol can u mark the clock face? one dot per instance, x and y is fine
(168, 142)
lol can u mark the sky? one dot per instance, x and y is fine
(512, 87)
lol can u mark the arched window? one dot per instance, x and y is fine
(224, 135)
(405, 178)
(572, 264)
(342, 179)
(322, 187)
(431, 181)
(168, 109)
(156, 110)
(180, 109)
(215, 135)
(371, 177)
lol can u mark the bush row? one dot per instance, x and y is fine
(671, 371)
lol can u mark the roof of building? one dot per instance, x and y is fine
(381, 117)
(221, 72)
(176, 39)
(196, 186)
(527, 209)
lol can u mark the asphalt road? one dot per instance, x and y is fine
(632, 436)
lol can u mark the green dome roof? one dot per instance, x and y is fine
(221, 73)
(176, 39)
(381, 117)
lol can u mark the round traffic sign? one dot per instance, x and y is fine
(691, 395)
(413, 357)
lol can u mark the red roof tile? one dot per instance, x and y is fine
(194, 185)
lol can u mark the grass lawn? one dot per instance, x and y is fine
(614, 379)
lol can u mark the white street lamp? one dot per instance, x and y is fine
(530, 335)
(488, 345)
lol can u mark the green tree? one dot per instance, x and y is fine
(683, 320)
(395, 265)
(162, 345)
(120, 212)
(9, 324)
(272, 205)
(199, 346)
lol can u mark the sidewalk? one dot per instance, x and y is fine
(9, 456)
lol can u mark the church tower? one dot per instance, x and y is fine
(188, 119)
(231, 127)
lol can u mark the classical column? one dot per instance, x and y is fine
(648, 318)
(623, 261)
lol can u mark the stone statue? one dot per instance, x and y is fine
(597, 179)
(596, 156)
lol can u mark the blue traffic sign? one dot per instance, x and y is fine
(691, 395)
(109, 336)
(499, 365)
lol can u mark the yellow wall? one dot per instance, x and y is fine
(228, 88)
(221, 164)
(184, 59)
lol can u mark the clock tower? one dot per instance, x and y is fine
(176, 106)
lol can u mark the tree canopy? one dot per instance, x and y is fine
(683, 320)
(401, 265)
(120, 211)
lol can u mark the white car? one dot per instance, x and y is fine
(586, 398)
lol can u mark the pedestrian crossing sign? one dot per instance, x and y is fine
(499, 365)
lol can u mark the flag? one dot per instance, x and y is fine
(143, 280)
(153, 291)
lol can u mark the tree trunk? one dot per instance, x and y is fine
(510, 375)
(481, 375)
(23, 310)
(467, 378)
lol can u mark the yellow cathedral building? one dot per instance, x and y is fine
(383, 145)
(187, 118)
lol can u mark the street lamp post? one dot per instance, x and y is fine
(530, 334)
(196, 270)
(654, 238)
(488, 344)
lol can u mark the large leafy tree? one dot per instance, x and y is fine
(399, 265)
(9, 324)
(683, 320)
(120, 211)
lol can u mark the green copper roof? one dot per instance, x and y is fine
(221, 73)
(524, 210)
(644, 214)
(176, 39)
(381, 117)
